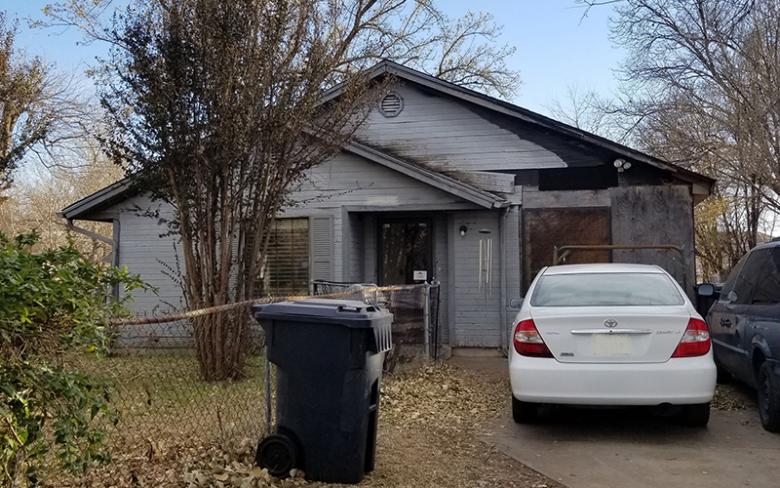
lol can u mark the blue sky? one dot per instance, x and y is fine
(556, 48)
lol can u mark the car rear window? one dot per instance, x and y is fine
(605, 289)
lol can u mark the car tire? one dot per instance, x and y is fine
(768, 397)
(696, 415)
(524, 412)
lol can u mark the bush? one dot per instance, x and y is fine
(54, 303)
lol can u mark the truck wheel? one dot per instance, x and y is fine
(278, 454)
(697, 415)
(523, 412)
(769, 397)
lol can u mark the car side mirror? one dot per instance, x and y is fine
(516, 303)
(705, 290)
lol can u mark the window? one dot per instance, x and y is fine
(767, 283)
(728, 286)
(748, 276)
(605, 289)
(286, 265)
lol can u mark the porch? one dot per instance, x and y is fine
(473, 254)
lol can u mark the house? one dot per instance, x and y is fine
(445, 183)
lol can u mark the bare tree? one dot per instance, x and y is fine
(701, 90)
(34, 203)
(465, 50)
(216, 108)
(583, 109)
(40, 117)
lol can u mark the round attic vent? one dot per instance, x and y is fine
(391, 104)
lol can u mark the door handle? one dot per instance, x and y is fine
(725, 322)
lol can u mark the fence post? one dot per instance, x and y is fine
(427, 318)
(434, 318)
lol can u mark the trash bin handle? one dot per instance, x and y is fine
(347, 308)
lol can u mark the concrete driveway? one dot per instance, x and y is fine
(638, 449)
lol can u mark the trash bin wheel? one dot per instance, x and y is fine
(276, 453)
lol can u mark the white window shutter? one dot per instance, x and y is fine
(321, 238)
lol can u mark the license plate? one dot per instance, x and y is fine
(611, 345)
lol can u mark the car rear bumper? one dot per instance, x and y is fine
(678, 381)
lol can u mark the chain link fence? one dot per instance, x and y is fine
(415, 310)
(156, 388)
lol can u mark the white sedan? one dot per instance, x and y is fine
(610, 334)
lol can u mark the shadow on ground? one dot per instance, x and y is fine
(639, 447)
(643, 448)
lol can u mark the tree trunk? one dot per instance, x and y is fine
(221, 343)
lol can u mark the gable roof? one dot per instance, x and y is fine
(101, 199)
(436, 179)
(701, 184)
(386, 67)
(123, 188)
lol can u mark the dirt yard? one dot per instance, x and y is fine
(430, 418)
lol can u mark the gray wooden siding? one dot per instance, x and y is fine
(338, 183)
(145, 252)
(512, 266)
(447, 134)
(441, 272)
(348, 180)
(370, 248)
(475, 287)
(353, 249)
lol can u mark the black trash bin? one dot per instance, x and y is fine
(329, 356)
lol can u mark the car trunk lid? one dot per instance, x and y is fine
(621, 334)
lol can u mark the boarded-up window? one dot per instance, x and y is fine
(286, 270)
(545, 228)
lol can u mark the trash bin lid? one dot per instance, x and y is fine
(349, 313)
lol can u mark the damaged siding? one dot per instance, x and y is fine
(446, 135)
(656, 215)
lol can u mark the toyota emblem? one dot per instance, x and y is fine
(610, 323)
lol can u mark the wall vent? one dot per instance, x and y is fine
(391, 104)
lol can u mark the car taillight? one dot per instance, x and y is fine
(528, 342)
(695, 341)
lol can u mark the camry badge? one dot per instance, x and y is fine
(610, 323)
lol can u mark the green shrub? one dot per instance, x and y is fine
(53, 304)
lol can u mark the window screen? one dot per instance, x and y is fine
(767, 287)
(286, 264)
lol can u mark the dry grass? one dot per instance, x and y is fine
(160, 396)
(429, 420)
